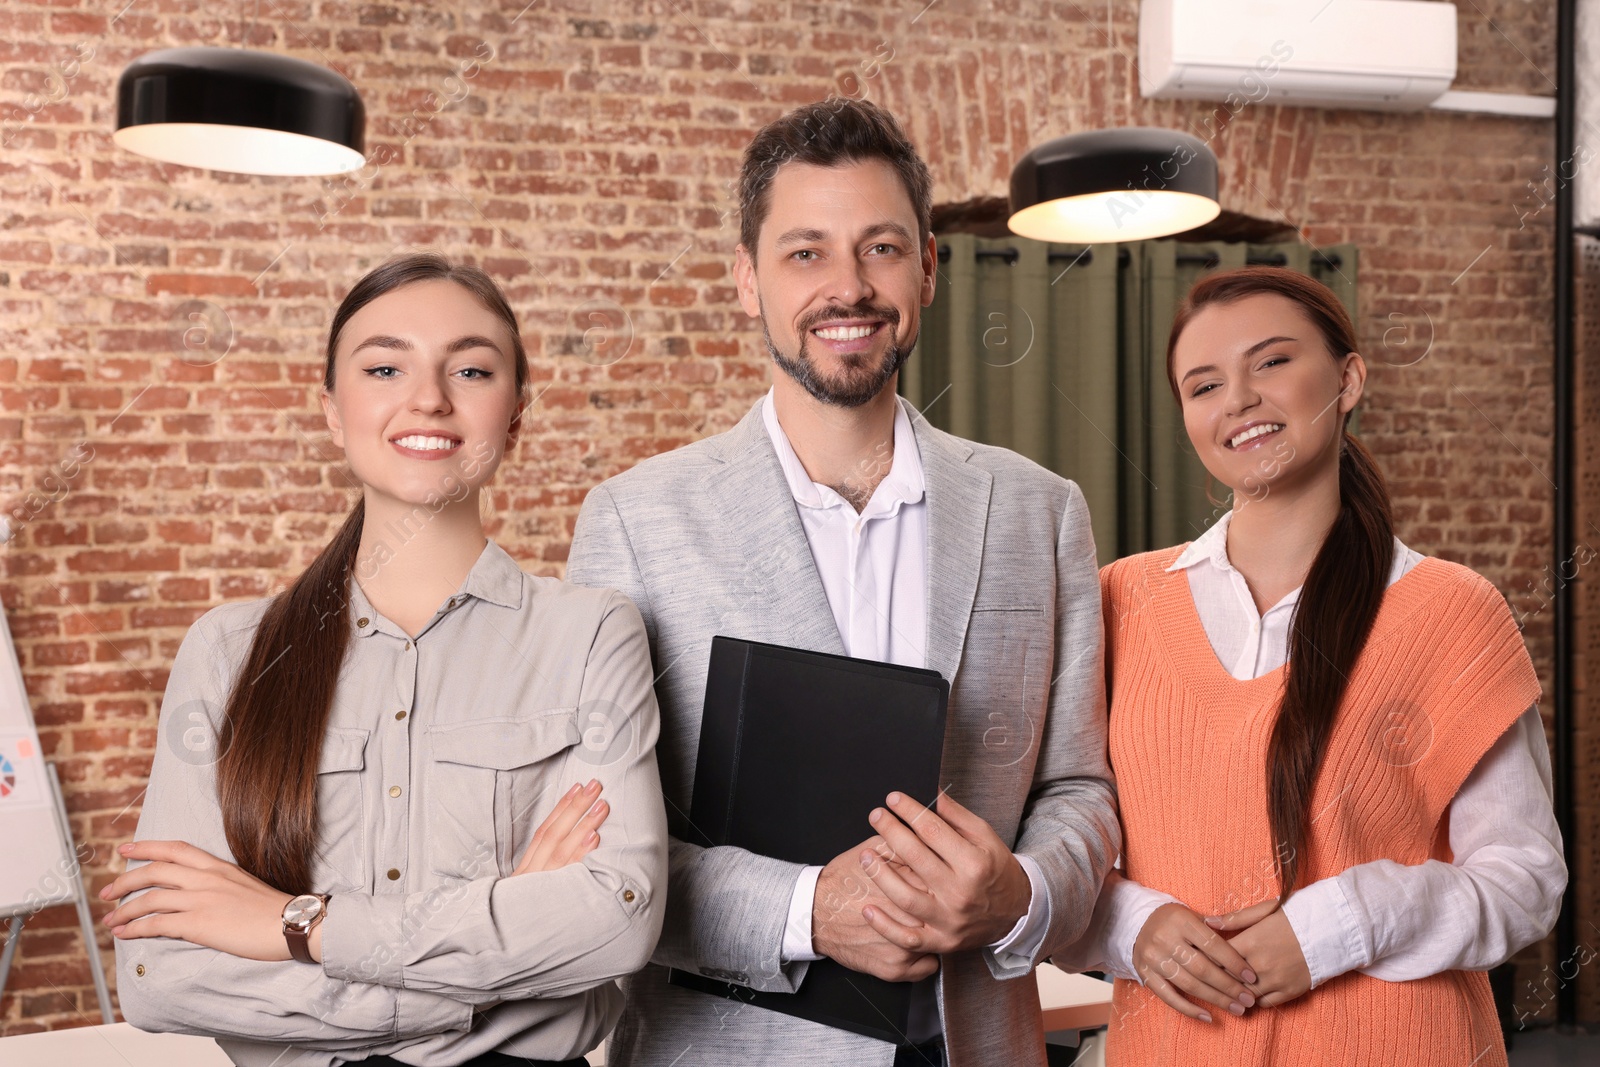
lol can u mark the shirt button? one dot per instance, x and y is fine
(139, 970)
(394, 790)
(627, 895)
(408, 646)
(363, 621)
(399, 715)
(394, 875)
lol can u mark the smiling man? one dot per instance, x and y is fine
(833, 517)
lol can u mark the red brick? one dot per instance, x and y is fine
(99, 739)
(200, 285)
(184, 531)
(120, 532)
(115, 681)
(181, 589)
(57, 713)
(127, 649)
(54, 654)
(132, 559)
(59, 533)
(154, 618)
(92, 622)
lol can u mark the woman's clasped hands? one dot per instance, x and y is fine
(1180, 955)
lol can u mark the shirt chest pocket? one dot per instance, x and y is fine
(488, 778)
(342, 848)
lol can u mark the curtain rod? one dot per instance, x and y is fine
(1124, 257)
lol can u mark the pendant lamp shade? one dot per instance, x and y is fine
(1105, 186)
(242, 111)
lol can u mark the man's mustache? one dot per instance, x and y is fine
(861, 311)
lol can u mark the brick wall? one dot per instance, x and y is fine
(160, 328)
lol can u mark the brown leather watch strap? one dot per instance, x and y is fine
(300, 940)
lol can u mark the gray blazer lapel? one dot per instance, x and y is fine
(958, 511)
(781, 597)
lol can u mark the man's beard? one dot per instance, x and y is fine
(860, 381)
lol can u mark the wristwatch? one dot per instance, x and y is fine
(300, 916)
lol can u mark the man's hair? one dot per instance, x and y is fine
(829, 133)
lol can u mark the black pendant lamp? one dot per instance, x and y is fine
(1104, 186)
(241, 111)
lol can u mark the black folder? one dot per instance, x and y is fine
(796, 748)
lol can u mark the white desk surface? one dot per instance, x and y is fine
(119, 1045)
(1072, 1001)
(1069, 1002)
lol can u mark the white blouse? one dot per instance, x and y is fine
(1501, 891)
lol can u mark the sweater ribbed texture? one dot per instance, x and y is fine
(1443, 674)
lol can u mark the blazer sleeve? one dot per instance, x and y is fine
(1069, 826)
(726, 907)
(165, 984)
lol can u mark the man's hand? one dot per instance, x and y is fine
(841, 933)
(972, 890)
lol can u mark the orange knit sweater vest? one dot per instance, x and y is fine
(1443, 674)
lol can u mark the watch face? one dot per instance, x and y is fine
(301, 910)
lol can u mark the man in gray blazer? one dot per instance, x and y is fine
(834, 518)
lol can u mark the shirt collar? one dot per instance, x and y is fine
(904, 484)
(495, 577)
(1211, 545)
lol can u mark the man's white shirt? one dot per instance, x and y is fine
(874, 565)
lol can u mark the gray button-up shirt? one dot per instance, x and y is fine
(443, 754)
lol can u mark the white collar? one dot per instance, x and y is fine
(904, 484)
(1211, 545)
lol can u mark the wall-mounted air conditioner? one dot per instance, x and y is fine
(1385, 55)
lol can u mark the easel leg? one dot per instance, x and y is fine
(91, 946)
(10, 949)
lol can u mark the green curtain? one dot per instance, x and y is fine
(1059, 352)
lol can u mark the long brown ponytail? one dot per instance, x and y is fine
(278, 709)
(1343, 589)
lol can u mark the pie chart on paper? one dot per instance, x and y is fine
(22, 779)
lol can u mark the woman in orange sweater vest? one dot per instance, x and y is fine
(1334, 784)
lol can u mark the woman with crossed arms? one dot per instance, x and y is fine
(337, 857)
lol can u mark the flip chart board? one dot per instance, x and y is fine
(36, 867)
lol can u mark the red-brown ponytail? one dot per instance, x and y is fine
(1343, 589)
(278, 710)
